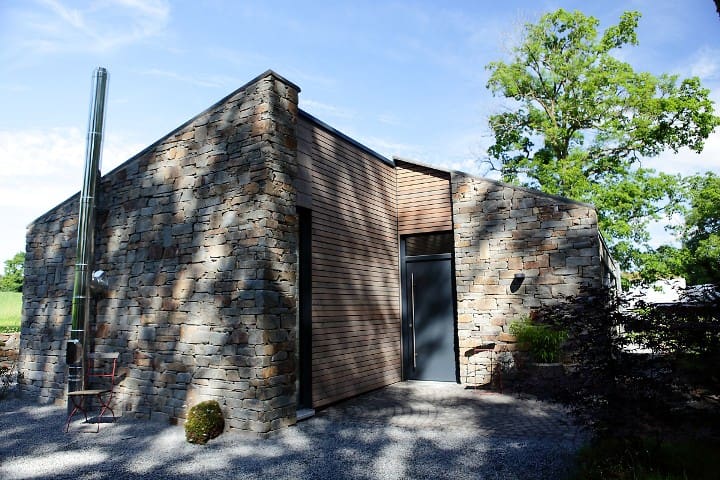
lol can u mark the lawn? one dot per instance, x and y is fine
(10, 311)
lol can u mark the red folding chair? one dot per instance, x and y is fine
(99, 384)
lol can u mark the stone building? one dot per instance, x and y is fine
(257, 256)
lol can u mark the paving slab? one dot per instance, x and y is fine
(420, 430)
(443, 405)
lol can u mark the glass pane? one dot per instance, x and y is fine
(429, 244)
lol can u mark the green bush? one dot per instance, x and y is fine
(10, 311)
(205, 421)
(542, 341)
(647, 459)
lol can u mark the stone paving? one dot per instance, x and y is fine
(442, 405)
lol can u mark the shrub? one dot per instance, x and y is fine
(205, 421)
(543, 341)
(619, 391)
(634, 458)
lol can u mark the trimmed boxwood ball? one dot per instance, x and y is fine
(205, 421)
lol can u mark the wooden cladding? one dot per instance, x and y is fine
(355, 278)
(424, 199)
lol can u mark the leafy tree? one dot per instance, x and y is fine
(584, 119)
(701, 231)
(666, 261)
(12, 279)
(698, 258)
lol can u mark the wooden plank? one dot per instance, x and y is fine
(425, 217)
(339, 321)
(438, 223)
(328, 147)
(348, 323)
(353, 302)
(328, 311)
(350, 328)
(339, 206)
(420, 180)
(345, 172)
(424, 200)
(404, 177)
(324, 274)
(324, 393)
(428, 198)
(331, 354)
(324, 237)
(332, 198)
(355, 261)
(343, 288)
(358, 263)
(359, 369)
(333, 143)
(388, 352)
(330, 224)
(356, 368)
(362, 253)
(419, 211)
(369, 339)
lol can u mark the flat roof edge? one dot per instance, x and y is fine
(266, 73)
(534, 191)
(345, 137)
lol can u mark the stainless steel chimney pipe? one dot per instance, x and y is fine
(76, 353)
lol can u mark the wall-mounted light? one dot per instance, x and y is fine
(518, 279)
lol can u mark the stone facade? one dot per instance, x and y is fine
(198, 236)
(515, 250)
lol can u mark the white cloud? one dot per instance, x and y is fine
(389, 119)
(92, 27)
(706, 64)
(320, 109)
(391, 148)
(42, 169)
(687, 162)
(210, 81)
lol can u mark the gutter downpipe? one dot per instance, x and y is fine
(75, 353)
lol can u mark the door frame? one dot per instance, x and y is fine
(404, 317)
(304, 333)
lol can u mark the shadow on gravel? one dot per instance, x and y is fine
(403, 431)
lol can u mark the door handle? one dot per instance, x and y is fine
(412, 317)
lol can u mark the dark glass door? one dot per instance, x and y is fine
(429, 333)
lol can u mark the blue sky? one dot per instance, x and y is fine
(405, 78)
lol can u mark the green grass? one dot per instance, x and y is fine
(10, 311)
(625, 459)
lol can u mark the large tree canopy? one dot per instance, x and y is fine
(583, 120)
(12, 278)
(698, 258)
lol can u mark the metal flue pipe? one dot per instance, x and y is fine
(76, 353)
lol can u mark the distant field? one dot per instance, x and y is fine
(10, 311)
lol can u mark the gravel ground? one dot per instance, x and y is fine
(336, 444)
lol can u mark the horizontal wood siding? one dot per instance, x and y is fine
(355, 277)
(424, 199)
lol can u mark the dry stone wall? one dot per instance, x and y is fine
(198, 236)
(515, 250)
(9, 345)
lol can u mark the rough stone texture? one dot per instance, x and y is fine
(502, 233)
(198, 234)
(9, 346)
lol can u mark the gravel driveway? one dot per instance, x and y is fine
(408, 430)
